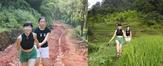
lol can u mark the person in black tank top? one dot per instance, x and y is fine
(42, 35)
(27, 41)
(25, 45)
(128, 34)
(119, 34)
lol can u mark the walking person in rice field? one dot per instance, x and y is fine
(42, 35)
(119, 35)
(25, 46)
(128, 34)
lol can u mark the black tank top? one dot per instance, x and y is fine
(119, 32)
(27, 42)
(41, 34)
(127, 32)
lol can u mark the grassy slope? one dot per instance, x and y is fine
(99, 53)
(102, 55)
(143, 51)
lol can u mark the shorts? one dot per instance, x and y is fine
(43, 52)
(120, 39)
(38, 52)
(128, 38)
(26, 56)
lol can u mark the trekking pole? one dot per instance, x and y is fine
(18, 63)
(108, 43)
(17, 59)
(111, 39)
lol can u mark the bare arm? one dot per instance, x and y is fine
(18, 40)
(18, 43)
(130, 34)
(45, 40)
(113, 36)
(124, 34)
(35, 40)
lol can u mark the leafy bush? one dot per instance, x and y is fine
(15, 18)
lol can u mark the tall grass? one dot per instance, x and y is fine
(143, 51)
(100, 54)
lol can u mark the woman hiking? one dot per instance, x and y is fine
(128, 34)
(42, 35)
(119, 40)
(25, 45)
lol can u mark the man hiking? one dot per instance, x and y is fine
(42, 35)
(25, 45)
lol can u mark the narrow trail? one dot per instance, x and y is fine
(65, 50)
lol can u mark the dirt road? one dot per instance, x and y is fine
(65, 49)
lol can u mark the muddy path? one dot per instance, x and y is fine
(65, 49)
